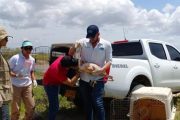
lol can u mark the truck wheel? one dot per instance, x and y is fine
(136, 87)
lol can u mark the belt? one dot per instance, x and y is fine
(98, 80)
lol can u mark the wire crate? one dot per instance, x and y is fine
(119, 109)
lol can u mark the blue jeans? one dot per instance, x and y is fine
(92, 99)
(4, 112)
(52, 92)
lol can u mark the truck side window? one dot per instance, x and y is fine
(174, 54)
(157, 50)
(127, 49)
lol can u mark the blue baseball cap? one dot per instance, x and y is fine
(92, 30)
(26, 43)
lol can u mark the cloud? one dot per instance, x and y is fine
(108, 14)
(168, 8)
(39, 13)
(174, 22)
(13, 10)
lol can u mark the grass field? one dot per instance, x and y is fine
(41, 108)
(68, 107)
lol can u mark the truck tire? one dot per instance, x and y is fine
(136, 87)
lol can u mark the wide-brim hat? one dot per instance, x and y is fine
(3, 33)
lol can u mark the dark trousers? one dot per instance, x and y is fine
(4, 112)
(92, 98)
(52, 92)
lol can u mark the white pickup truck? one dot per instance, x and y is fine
(143, 62)
(137, 63)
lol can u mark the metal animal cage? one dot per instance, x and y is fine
(41, 55)
(146, 103)
(119, 109)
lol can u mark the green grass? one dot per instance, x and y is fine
(177, 103)
(42, 104)
(177, 117)
(39, 74)
(41, 108)
(40, 101)
(41, 56)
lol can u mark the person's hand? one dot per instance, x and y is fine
(77, 73)
(34, 83)
(77, 45)
(97, 72)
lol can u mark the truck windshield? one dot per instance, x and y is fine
(127, 49)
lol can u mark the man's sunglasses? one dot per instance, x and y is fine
(28, 48)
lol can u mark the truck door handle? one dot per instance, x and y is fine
(156, 66)
(175, 67)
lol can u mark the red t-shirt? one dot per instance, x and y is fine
(55, 74)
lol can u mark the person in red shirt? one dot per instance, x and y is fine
(56, 75)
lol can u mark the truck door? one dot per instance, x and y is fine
(175, 61)
(161, 67)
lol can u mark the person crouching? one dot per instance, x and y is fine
(54, 77)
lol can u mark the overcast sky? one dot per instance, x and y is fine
(59, 21)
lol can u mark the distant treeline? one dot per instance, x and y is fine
(9, 52)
